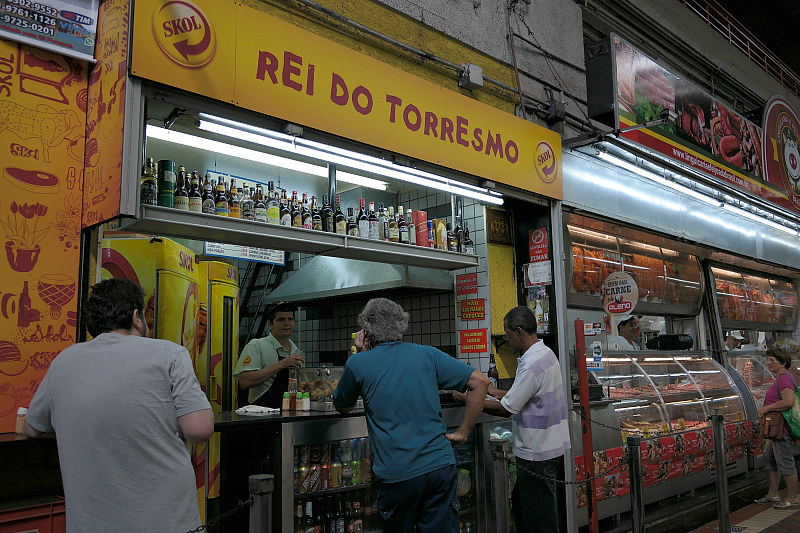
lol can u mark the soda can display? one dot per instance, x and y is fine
(327, 454)
(302, 474)
(336, 475)
(325, 477)
(304, 455)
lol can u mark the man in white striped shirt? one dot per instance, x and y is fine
(540, 428)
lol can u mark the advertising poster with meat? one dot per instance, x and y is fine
(66, 27)
(105, 114)
(41, 158)
(706, 134)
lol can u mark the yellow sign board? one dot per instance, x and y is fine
(271, 66)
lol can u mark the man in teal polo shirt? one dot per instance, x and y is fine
(263, 367)
(413, 456)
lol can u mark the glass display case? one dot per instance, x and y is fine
(657, 393)
(748, 298)
(753, 369)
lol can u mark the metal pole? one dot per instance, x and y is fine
(261, 487)
(635, 471)
(586, 427)
(723, 506)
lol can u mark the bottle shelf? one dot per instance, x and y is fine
(200, 226)
(328, 492)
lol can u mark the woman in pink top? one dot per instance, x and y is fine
(779, 453)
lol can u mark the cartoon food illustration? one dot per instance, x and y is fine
(22, 248)
(11, 363)
(56, 290)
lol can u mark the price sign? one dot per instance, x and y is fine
(262, 255)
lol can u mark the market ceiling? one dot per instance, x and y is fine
(774, 23)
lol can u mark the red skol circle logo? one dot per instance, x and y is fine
(184, 34)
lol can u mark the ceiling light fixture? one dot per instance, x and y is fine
(342, 157)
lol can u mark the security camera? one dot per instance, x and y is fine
(667, 115)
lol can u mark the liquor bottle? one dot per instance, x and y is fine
(339, 220)
(221, 206)
(327, 215)
(296, 213)
(234, 201)
(308, 518)
(363, 220)
(286, 213)
(166, 183)
(358, 517)
(305, 213)
(149, 183)
(195, 197)
(299, 527)
(458, 232)
(316, 215)
(412, 228)
(383, 224)
(469, 246)
(319, 516)
(394, 228)
(248, 204)
(209, 205)
(259, 208)
(341, 517)
(330, 515)
(431, 235)
(181, 197)
(452, 243)
(373, 222)
(352, 227)
(272, 205)
(402, 225)
(492, 373)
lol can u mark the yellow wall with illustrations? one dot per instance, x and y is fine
(503, 297)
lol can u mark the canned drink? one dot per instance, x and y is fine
(347, 473)
(302, 474)
(325, 477)
(311, 481)
(304, 456)
(336, 475)
(355, 472)
(316, 454)
(326, 457)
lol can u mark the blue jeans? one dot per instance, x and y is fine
(534, 499)
(428, 501)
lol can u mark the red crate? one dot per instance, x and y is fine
(42, 518)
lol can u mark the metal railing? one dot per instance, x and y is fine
(737, 35)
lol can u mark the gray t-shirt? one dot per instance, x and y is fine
(114, 404)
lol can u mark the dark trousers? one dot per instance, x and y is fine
(534, 499)
(428, 501)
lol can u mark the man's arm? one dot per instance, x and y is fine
(252, 378)
(477, 385)
(197, 426)
(32, 432)
(490, 407)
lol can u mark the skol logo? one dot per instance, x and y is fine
(186, 261)
(544, 159)
(183, 33)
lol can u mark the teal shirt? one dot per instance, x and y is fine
(400, 384)
(258, 354)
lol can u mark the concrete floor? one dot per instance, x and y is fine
(759, 519)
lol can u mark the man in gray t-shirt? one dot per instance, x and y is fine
(121, 407)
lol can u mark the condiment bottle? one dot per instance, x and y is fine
(19, 429)
(306, 401)
(287, 402)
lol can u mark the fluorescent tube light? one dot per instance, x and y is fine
(343, 157)
(658, 179)
(201, 143)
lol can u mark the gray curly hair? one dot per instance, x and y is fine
(383, 321)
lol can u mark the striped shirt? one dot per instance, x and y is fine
(536, 399)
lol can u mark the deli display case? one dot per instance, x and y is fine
(754, 302)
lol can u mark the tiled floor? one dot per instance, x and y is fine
(759, 519)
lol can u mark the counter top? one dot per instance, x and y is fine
(229, 419)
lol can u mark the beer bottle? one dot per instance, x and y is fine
(352, 227)
(273, 206)
(149, 184)
(316, 215)
(412, 228)
(248, 205)
(221, 206)
(363, 220)
(305, 213)
(296, 213)
(394, 228)
(327, 215)
(339, 221)
(181, 197)
(494, 376)
(195, 197)
(286, 214)
(402, 226)
(235, 204)
(209, 187)
(259, 208)
(166, 183)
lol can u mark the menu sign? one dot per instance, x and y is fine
(707, 134)
(68, 27)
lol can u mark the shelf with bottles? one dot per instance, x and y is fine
(337, 513)
(332, 467)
